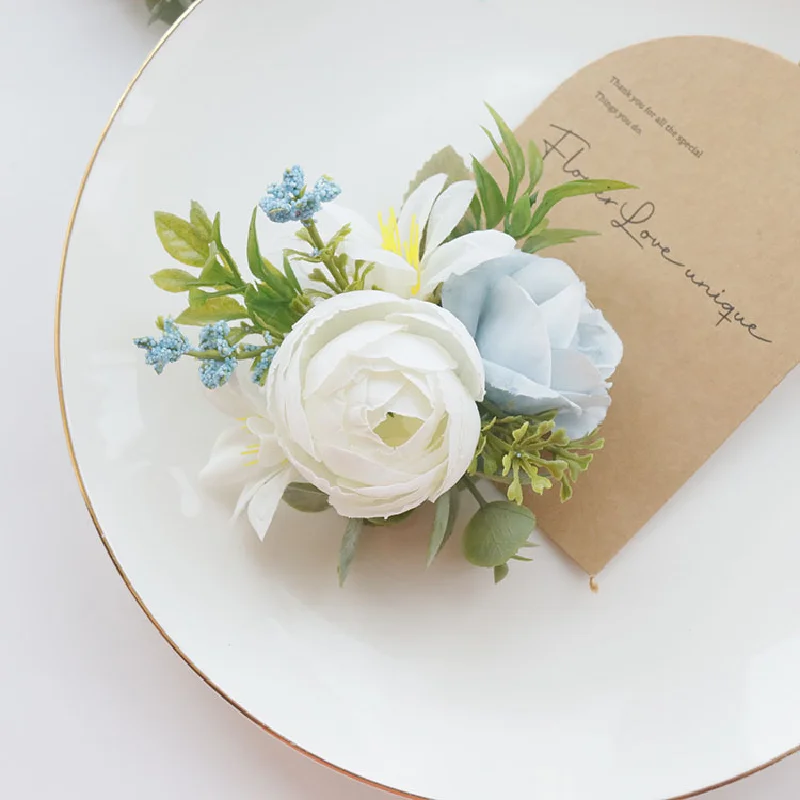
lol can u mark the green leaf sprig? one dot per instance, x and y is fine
(522, 212)
(530, 451)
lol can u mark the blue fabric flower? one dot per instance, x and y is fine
(290, 201)
(215, 337)
(166, 350)
(544, 346)
(215, 373)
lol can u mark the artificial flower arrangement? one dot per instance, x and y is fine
(396, 365)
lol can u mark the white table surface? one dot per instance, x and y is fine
(94, 703)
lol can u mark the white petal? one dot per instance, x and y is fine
(448, 211)
(264, 503)
(419, 204)
(462, 255)
(239, 398)
(327, 360)
(227, 464)
(446, 329)
(334, 216)
(562, 312)
(513, 332)
(463, 430)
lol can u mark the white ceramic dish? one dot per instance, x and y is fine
(678, 675)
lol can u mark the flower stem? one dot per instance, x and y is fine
(469, 484)
(330, 263)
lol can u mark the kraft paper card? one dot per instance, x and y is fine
(698, 269)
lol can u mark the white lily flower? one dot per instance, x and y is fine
(395, 246)
(248, 454)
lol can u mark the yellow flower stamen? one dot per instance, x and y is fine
(409, 250)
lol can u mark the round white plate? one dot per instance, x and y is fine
(679, 674)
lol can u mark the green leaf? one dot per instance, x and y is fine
(213, 309)
(263, 269)
(535, 165)
(214, 274)
(305, 497)
(174, 280)
(476, 210)
(289, 272)
(444, 520)
(500, 572)
(448, 162)
(496, 532)
(494, 204)
(274, 312)
(552, 237)
(197, 297)
(515, 153)
(574, 189)
(180, 239)
(201, 222)
(499, 150)
(520, 217)
(347, 550)
(227, 258)
(254, 259)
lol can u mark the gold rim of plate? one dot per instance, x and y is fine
(90, 508)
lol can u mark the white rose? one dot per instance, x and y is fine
(373, 400)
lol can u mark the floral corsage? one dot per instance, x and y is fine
(379, 367)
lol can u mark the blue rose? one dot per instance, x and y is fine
(544, 345)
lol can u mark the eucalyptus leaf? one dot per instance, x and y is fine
(516, 155)
(180, 239)
(552, 237)
(500, 572)
(447, 162)
(444, 520)
(305, 497)
(348, 547)
(174, 280)
(201, 221)
(496, 532)
(214, 309)
(494, 204)
(574, 189)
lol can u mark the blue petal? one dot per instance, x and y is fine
(513, 332)
(464, 295)
(516, 394)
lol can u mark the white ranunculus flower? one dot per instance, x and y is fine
(248, 454)
(373, 400)
(395, 245)
(544, 345)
